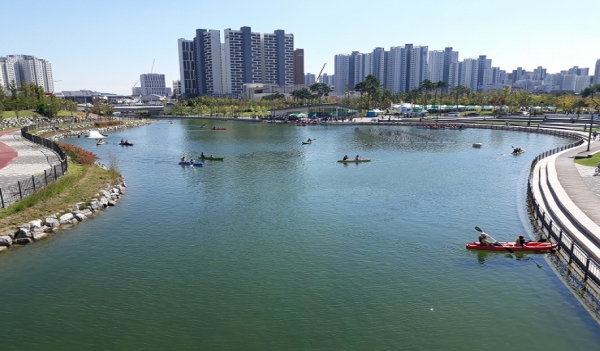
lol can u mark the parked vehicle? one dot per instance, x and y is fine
(454, 114)
(472, 114)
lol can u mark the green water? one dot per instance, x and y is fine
(279, 247)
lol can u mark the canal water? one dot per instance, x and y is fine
(280, 247)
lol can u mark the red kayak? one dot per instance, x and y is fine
(529, 246)
(215, 128)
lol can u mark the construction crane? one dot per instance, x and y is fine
(319, 77)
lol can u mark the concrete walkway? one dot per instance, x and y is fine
(21, 158)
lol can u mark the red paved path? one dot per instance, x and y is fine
(7, 154)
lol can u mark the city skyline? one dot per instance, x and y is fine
(107, 48)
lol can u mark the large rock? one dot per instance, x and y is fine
(22, 241)
(35, 224)
(39, 235)
(80, 216)
(52, 222)
(23, 232)
(66, 217)
(10, 234)
(6, 240)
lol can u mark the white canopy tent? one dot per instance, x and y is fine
(94, 134)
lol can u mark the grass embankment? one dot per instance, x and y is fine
(81, 183)
(590, 162)
(31, 113)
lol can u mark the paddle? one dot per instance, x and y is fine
(507, 248)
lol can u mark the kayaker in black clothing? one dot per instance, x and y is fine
(202, 154)
(345, 157)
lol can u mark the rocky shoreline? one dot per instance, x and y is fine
(38, 229)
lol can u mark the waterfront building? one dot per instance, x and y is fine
(341, 73)
(210, 76)
(483, 63)
(309, 79)
(187, 68)
(327, 79)
(153, 84)
(378, 59)
(299, 66)
(597, 72)
(439, 64)
(177, 88)
(209, 67)
(468, 73)
(26, 69)
(436, 66)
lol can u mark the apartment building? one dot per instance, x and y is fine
(243, 57)
(26, 69)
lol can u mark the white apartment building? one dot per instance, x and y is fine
(468, 73)
(26, 69)
(436, 65)
(153, 84)
(341, 73)
(597, 72)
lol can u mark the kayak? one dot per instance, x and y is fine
(188, 163)
(519, 152)
(529, 246)
(477, 144)
(126, 144)
(211, 158)
(101, 143)
(352, 161)
(215, 128)
(306, 142)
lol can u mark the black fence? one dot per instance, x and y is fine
(573, 260)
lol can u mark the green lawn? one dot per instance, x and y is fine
(590, 162)
(31, 113)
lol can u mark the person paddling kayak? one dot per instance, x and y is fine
(484, 240)
(520, 241)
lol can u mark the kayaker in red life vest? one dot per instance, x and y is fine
(520, 241)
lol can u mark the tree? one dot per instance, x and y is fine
(427, 87)
(590, 92)
(439, 86)
(320, 89)
(458, 92)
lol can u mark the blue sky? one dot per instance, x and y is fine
(106, 45)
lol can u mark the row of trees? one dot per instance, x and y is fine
(373, 95)
(33, 97)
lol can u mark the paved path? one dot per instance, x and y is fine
(21, 158)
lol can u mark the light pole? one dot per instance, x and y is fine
(590, 131)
